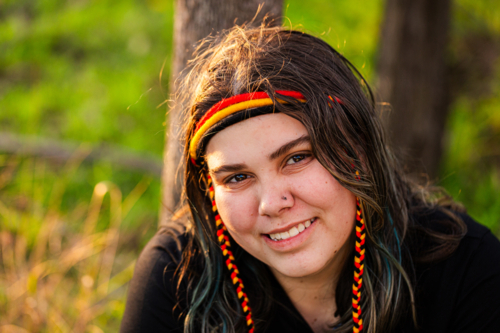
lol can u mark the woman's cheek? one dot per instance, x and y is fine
(237, 212)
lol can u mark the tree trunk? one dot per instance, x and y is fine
(194, 20)
(412, 79)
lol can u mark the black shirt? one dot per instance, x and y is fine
(459, 294)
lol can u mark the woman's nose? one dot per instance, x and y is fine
(275, 199)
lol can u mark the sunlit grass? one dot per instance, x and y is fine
(60, 271)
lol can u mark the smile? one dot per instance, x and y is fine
(294, 231)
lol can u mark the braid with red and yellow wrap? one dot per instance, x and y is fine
(359, 259)
(225, 246)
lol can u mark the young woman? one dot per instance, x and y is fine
(297, 217)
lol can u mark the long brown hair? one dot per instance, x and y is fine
(343, 136)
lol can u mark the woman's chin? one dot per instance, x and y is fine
(294, 270)
(310, 263)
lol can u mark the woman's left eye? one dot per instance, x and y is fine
(237, 178)
(296, 158)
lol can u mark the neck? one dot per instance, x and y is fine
(314, 295)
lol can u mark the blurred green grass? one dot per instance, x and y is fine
(85, 70)
(89, 71)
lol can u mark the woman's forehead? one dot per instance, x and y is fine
(257, 137)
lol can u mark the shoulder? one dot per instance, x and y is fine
(161, 256)
(477, 258)
(152, 302)
(478, 241)
(461, 293)
(166, 245)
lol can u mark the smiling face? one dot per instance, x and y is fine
(276, 200)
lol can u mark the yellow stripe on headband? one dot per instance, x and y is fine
(223, 114)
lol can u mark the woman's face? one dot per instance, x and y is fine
(276, 200)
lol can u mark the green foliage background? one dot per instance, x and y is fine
(96, 72)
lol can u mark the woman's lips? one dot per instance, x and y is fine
(293, 231)
(292, 241)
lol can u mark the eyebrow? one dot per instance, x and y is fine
(228, 168)
(274, 155)
(289, 146)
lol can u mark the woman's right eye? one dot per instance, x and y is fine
(237, 178)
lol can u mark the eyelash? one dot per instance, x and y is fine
(229, 180)
(302, 157)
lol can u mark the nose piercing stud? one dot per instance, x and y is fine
(284, 198)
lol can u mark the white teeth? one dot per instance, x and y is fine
(293, 231)
(285, 235)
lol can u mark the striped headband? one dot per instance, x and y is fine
(220, 111)
(216, 119)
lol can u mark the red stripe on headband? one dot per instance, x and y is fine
(243, 98)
